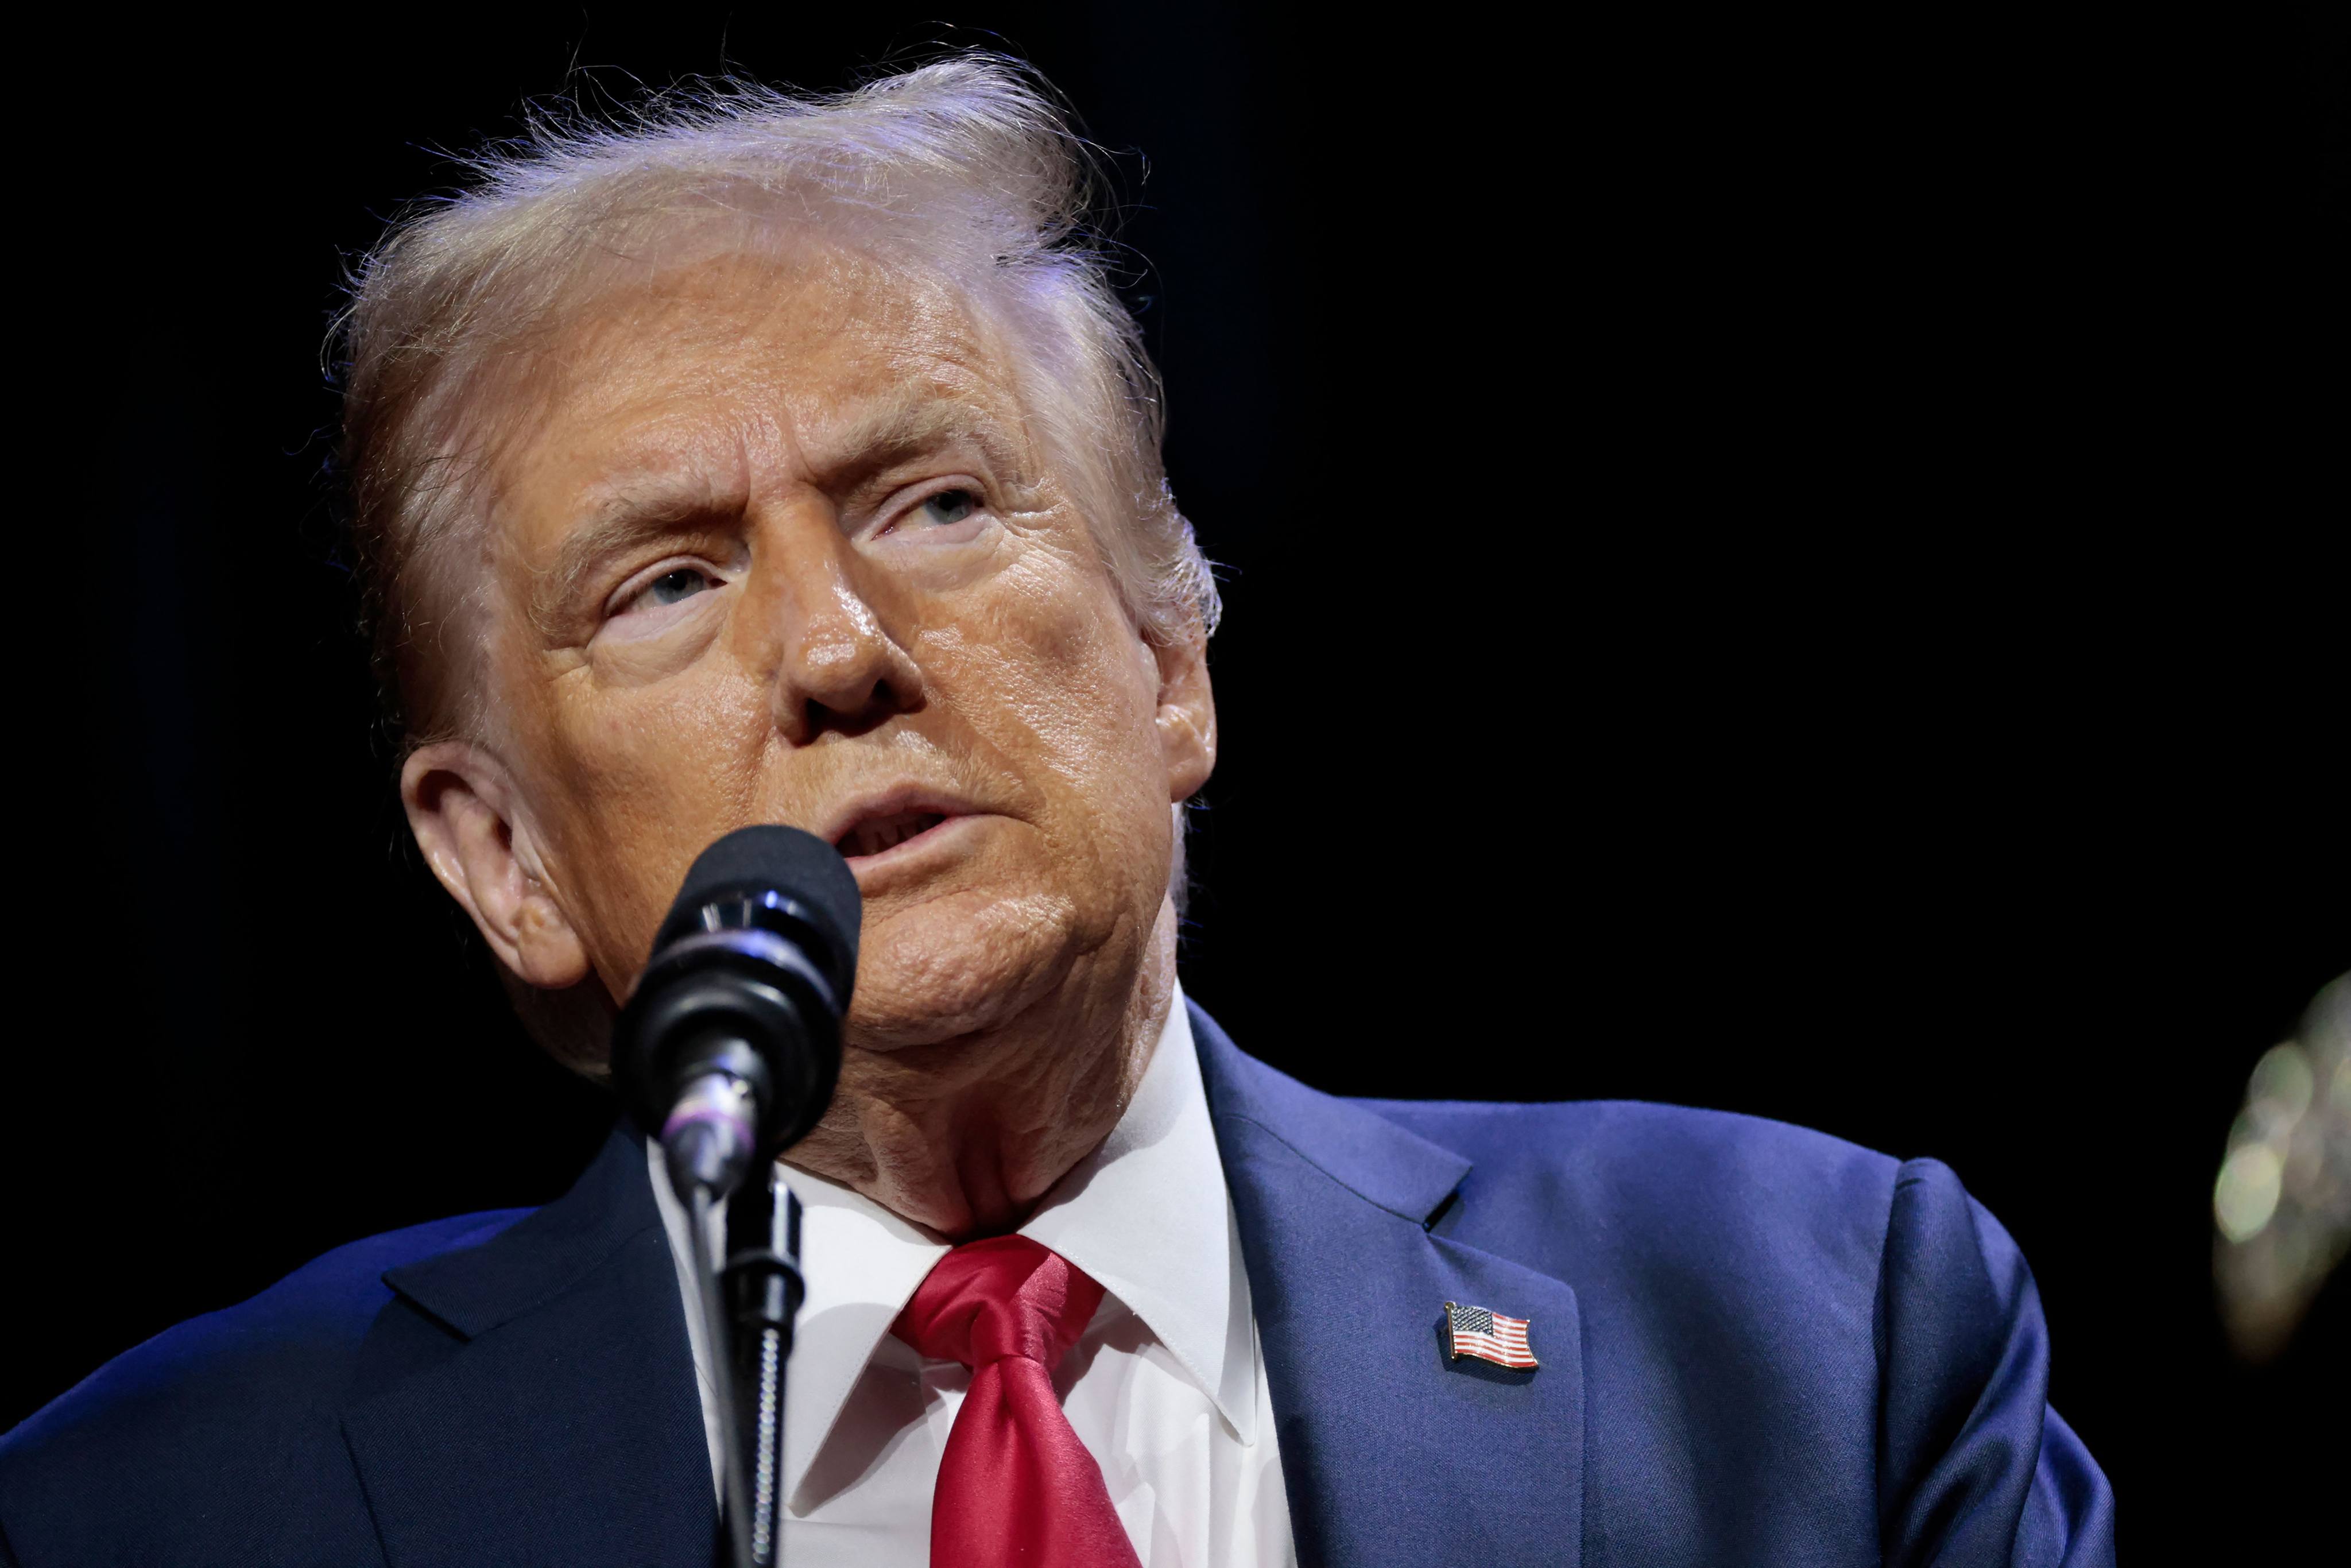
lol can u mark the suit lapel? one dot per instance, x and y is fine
(532, 1399)
(1390, 1452)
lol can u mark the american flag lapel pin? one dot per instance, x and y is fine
(1488, 1336)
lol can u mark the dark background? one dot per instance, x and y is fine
(1791, 567)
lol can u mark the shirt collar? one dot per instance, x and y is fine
(1146, 1214)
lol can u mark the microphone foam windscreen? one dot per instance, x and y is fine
(770, 857)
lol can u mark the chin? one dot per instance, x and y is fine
(958, 964)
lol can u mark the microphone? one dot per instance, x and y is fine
(727, 1053)
(729, 1048)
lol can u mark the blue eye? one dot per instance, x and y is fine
(949, 506)
(672, 586)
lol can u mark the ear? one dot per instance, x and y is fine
(462, 807)
(1187, 713)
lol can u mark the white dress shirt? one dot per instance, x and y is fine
(1167, 1388)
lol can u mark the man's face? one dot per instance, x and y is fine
(781, 546)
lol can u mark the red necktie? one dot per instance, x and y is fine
(1015, 1484)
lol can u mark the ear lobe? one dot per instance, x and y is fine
(460, 805)
(1187, 714)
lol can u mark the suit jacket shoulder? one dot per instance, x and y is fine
(188, 1432)
(511, 1387)
(1662, 1188)
(1782, 1347)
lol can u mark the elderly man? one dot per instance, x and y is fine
(779, 461)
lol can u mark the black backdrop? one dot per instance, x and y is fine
(1784, 567)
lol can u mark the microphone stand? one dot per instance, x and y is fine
(763, 1289)
(734, 1512)
(747, 1312)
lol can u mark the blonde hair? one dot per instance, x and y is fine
(968, 158)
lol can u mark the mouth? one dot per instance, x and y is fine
(894, 823)
(879, 835)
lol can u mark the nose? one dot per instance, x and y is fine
(837, 666)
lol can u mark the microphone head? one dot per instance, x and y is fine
(750, 975)
(769, 858)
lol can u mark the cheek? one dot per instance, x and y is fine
(662, 769)
(1047, 671)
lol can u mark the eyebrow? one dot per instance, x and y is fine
(640, 515)
(875, 435)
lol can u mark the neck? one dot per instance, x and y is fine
(966, 1136)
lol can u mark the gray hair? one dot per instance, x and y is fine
(969, 157)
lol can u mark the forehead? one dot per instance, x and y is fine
(754, 362)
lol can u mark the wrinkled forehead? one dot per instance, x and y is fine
(751, 366)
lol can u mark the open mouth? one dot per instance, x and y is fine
(877, 835)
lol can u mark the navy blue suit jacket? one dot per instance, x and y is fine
(1760, 1346)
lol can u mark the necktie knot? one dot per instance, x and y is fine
(1015, 1483)
(1006, 1296)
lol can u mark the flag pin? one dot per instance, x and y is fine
(1487, 1336)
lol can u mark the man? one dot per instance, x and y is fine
(783, 461)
